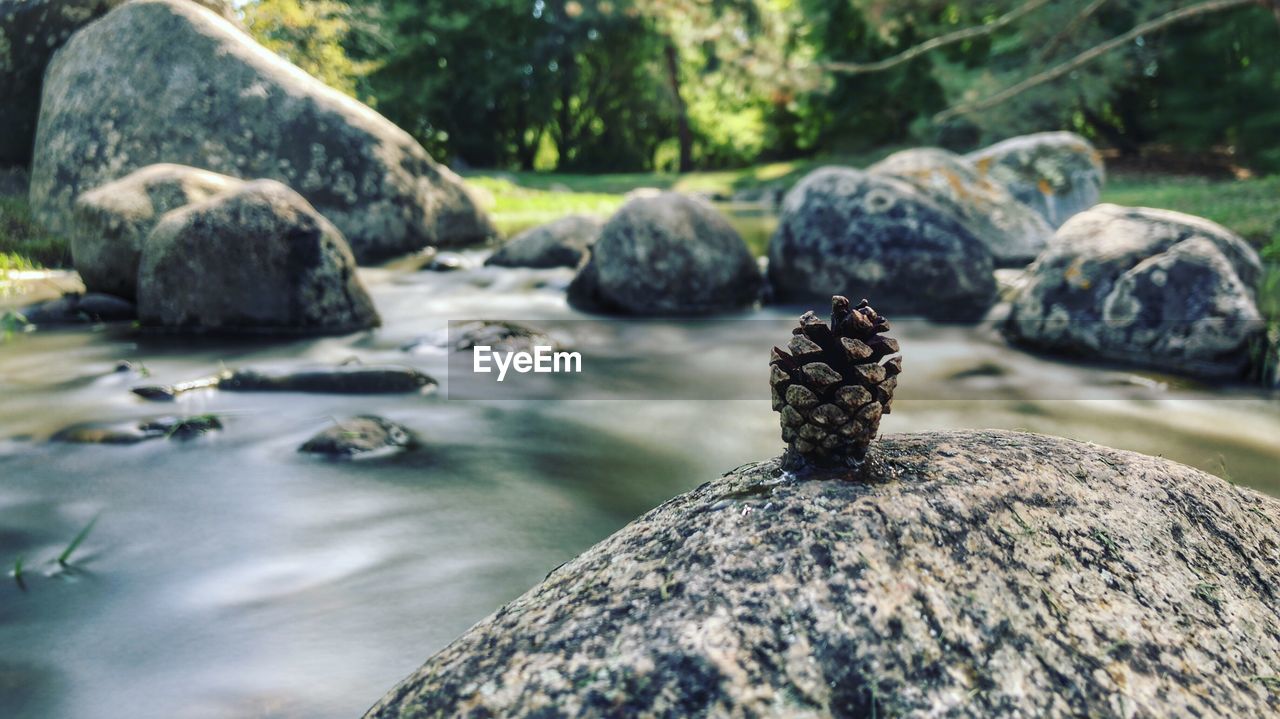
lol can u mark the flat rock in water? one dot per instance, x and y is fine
(966, 574)
(79, 309)
(168, 81)
(345, 379)
(138, 431)
(359, 436)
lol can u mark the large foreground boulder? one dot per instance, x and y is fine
(1152, 287)
(30, 32)
(254, 259)
(562, 243)
(1057, 173)
(112, 221)
(168, 81)
(667, 254)
(844, 231)
(965, 574)
(1013, 232)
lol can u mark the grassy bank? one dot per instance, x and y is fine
(24, 244)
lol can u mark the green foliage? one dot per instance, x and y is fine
(65, 558)
(24, 244)
(311, 37)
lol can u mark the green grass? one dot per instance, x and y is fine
(1249, 207)
(65, 558)
(24, 244)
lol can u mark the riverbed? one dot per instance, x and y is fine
(231, 576)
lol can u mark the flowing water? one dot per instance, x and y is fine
(230, 576)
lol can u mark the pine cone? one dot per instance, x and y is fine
(834, 384)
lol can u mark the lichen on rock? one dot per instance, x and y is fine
(972, 574)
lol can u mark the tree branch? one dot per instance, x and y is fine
(1070, 29)
(853, 68)
(1090, 55)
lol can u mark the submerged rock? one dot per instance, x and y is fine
(168, 81)
(138, 431)
(257, 258)
(1151, 287)
(79, 309)
(31, 31)
(963, 574)
(113, 221)
(562, 243)
(1013, 232)
(1056, 173)
(844, 231)
(359, 436)
(667, 254)
(346, 379)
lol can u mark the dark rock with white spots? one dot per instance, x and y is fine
(1149, 287)
(562, 243)
(1056, 173)
(113, 221)
(667, 254)
(31, 31)
(359, 437)
(1013, 232)
(168, 81)
(844, 231)
(960, 574)
(255, 259)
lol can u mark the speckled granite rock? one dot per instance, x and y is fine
(562, 243)
(358, 437)
(112, 221)
(1151, 287)
(1013, 232)
(254, 259)
(168, 81)
(848, 232)
(1057, 173)
(30, 32)
(971, 574)
(667, 254)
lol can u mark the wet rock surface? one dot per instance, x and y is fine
(257, 258)
(79, 309)
(667, 254)
(346, 379)
(133, 432)
(1013, 232)
(1152, 287)
(964, 574)
(1055, 173)
(850, 232)
(112, 221)
(359, 437)
(168, 81)
(562, 243)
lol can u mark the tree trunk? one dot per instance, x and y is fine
(684, 134)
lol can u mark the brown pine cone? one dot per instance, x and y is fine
(834, 384)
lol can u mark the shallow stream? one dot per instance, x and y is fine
(230, 576)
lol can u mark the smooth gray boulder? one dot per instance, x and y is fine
(30, 32)
(1013, 232)
(1056, 173)
(168, 81)
(844, 231)
(667, 254)
(1151, 287)
(112, 221)
(254, 259)
(963, 574)
(359, 437)
(562, 243)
